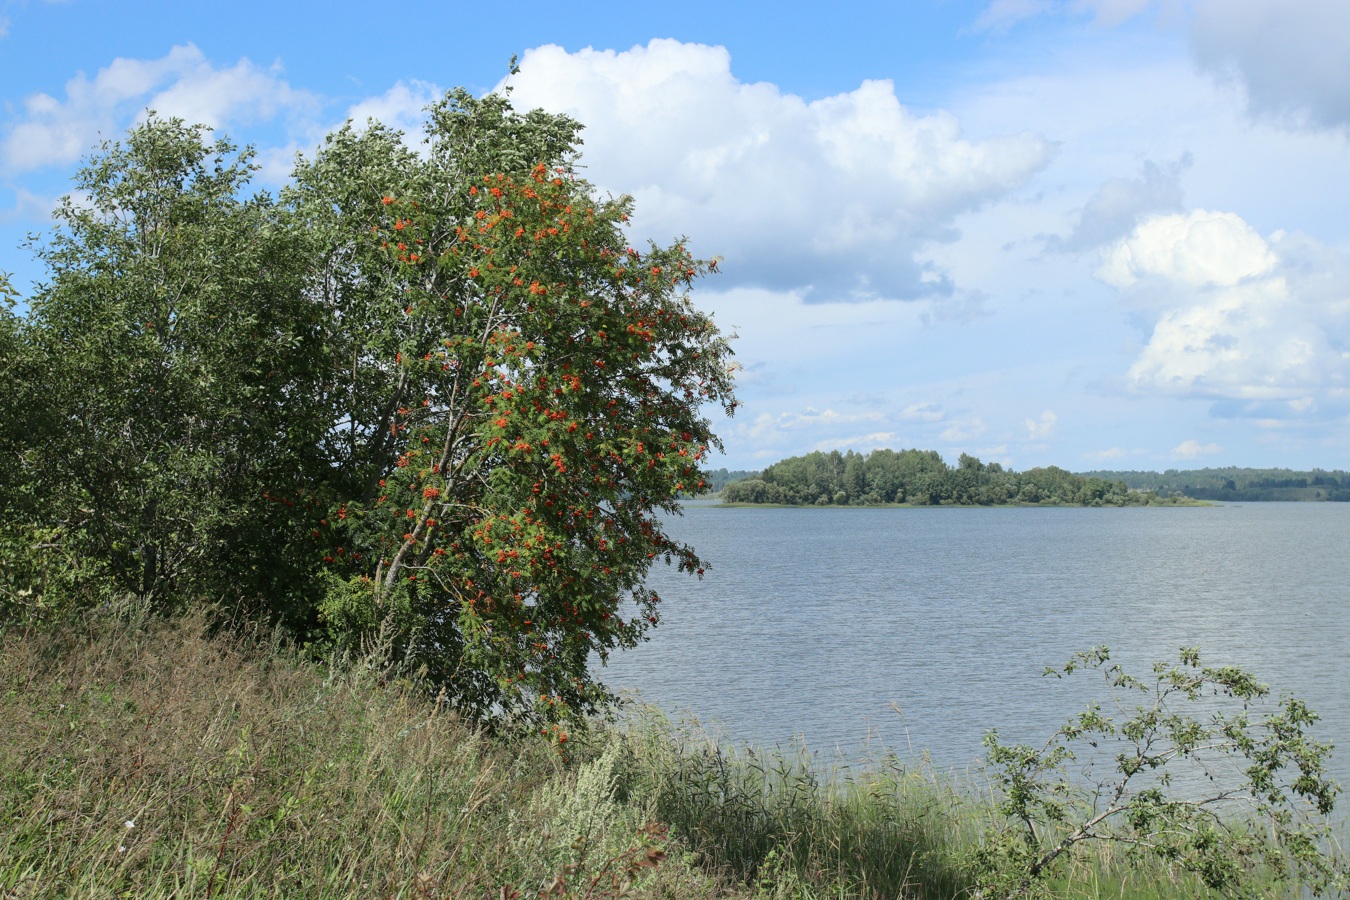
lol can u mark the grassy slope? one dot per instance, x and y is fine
(154, 762)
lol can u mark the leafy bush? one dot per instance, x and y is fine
(1235, 792)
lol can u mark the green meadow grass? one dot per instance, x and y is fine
(150, 760)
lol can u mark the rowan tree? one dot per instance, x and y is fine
(518, 396)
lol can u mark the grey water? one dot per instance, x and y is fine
(920, 629)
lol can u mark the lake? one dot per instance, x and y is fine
(820, 623)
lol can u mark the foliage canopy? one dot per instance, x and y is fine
(433, 396)
(1240, 485)
(922, 478)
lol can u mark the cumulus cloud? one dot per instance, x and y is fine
(1290, 56)
(1042, 428)
(1251, 342)
(1193, 449)
(791, 432)
(1198, 248)
(964, 430)
(1117, 206)
(276, 164)
(809, 418)
(31, 207)
(1244, 319)
(862, 443)
(834, 195)
(52, 131)
(921, 412)
(402, 106)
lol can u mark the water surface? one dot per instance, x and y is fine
(819, 623)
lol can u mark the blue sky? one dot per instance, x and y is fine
(1089, 233)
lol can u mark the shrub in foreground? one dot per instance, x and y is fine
(1193, 768)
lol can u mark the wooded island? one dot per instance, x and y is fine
(923, 478)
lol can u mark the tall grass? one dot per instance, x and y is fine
(151, 760)
(154, 762)
(777, 820)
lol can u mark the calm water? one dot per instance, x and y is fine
(814, 623)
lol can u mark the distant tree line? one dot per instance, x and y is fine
(717, 479)
(1234, 484)
(923, 478)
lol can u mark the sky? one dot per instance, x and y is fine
(1098, 234)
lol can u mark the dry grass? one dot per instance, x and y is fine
(153, 761)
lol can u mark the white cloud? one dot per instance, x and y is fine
(401, 107)
(1253, 342)
(1292, 57)
(809, 418)
(1042, 428)
(276, 164)
(836, 194)
(242, 93)
(31, 207)
(1196, 249)
(788, 433)
(1193, 449)
(921, 412)
(1243, 319)
(182, 83)
(964, 430)
(862, 443)
(1108, 453)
